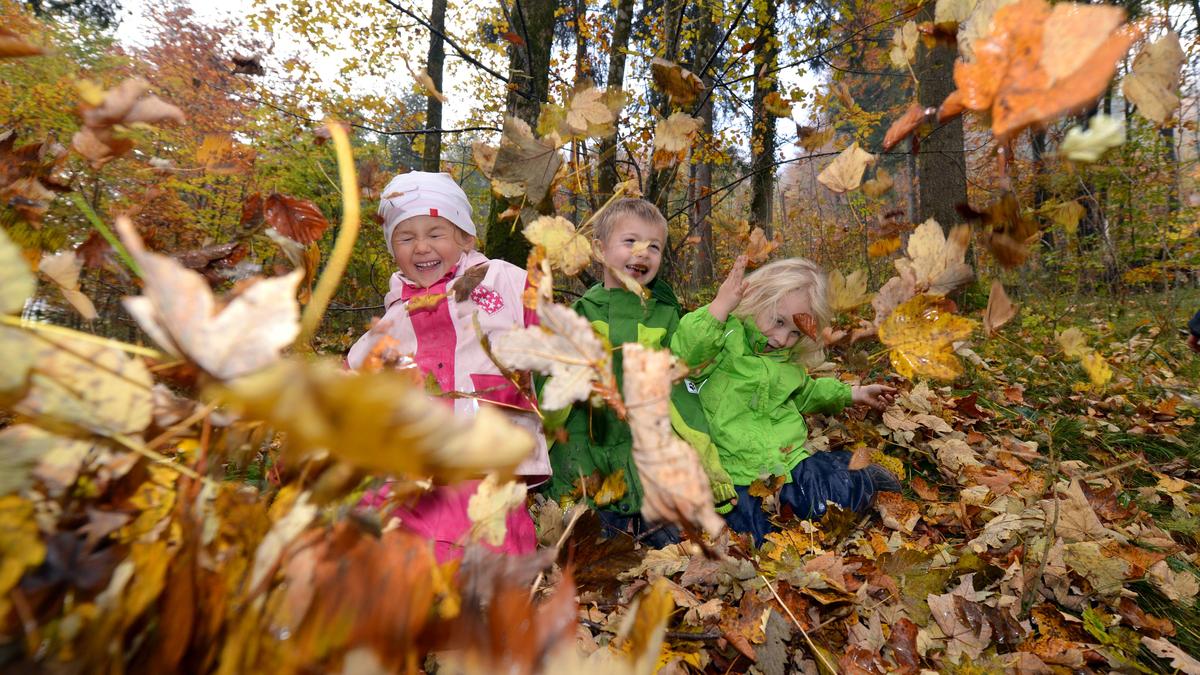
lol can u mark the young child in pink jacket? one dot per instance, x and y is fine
(428, 229)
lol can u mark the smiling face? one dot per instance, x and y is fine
(777, 324)
(624, 250)
(426, 247)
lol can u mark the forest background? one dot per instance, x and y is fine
(784, 129)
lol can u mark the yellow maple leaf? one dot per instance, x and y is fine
(588, 110)
(673, 137)
(881, 247)
(489, 507)
(847, 292)
(1073, 343)
(1097, 368)
(845, 172)
(775, 104)
(612, 489)
(566, 249)
(921, 334)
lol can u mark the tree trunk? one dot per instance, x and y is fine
(434, 65)
(622, 26)
(762, 132)
(941, 166)
(658, 186)
(703, 270)
(1037, 143)
(529, 82)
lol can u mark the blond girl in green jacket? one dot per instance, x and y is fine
(749, 350)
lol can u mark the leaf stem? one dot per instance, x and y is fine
(344, 247)
(108, 235)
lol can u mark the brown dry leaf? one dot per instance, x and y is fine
(845, 172)
(847, 292)
(63, 269)
(566, 249)
(306, 259)
(879, 185)
(32, 453)
(21, 545)
(962, 638)
(425, 86)
(1067, 215)
(297, 219)
(1077, 521)
(1153, 84)
(1039, 63)
(382, 421)
(588, 110)
(12, 45)
(178, 310)
(812, 139)
(861, 459)
(563, 346)
(673, 138)
(921, 333)
(935, 261)
(897, 512)
(1180, 660)
(676, 488)
(895, 292)
(883, 247)
(807, 325)
(758, 248)
(16, 282)
(1000, 310)
(904, 45)
(776, 105)
(1179, 587)
(905, 125)
(681, 85)
(526, 160)
(125, 105)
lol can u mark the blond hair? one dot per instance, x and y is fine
(766, 287)
(623, 208)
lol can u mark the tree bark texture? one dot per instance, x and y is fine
(762, 133)
(702, 269)
(622, 26)
(431, 159)
(658, 186)
(941, 165)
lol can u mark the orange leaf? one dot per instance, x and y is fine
(807, 325)
(759, 248)
(297, 219)
(905, 125)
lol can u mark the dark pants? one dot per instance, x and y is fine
(821, 477)
(656, 535)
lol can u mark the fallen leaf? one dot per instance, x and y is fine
(248, 65)
(1103, 133)
(812, 139)
(675, 485)
(1180, 659)
(776, 105)
(845, 172)
(1067, 215)
(920, 334)
(1097, 369)
(681, 85)
(425, 85)
(124, 105)
(63, 269)
(178, 310)
(489, 507)
(1153, 84)
(962, 639)
(673, 137)
(21, 545)
(883, 247)
(526, 160)
(1179, 587)
(897, 512)
(297, 219)
(1000, 310)
(807, 325)
(1073, 343)
(1006, 231)
(588, 111)
(563, 346)
(566, 249)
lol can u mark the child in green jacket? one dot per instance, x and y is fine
(755, 394)
(631, 234)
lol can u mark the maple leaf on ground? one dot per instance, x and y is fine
(935, 261)
(845, 172)
(1037, 63)
(847, 292)
(674, 483)
(566, 249)
(1153, 84)
(1103, 134)
(1180, 659)
(178, 311)
(1000, 310)
(962, 639)
(673, 137)
(921, 333)
(681, 85)
(124, 105)
(563, 346)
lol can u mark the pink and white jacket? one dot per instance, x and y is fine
(442, 341)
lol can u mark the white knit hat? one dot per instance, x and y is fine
(422, 193)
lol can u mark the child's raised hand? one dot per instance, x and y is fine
(731, 291)
(878, 396)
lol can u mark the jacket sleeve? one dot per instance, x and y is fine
(822, 395)
(699, 338)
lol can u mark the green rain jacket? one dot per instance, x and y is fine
(597, 441)
(754, 400)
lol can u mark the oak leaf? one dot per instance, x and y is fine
(563, 346)
(681, 85)
(178, 311)
(566, 249)
(1000, 310)
(847, 292)
(921, 333)
(1153, 84)
(673, 137)
(845, 172)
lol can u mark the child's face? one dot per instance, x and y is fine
(619, 250)
(426, 247)
(778, 326)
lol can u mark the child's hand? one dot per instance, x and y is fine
(731, 291)
(878, 396)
